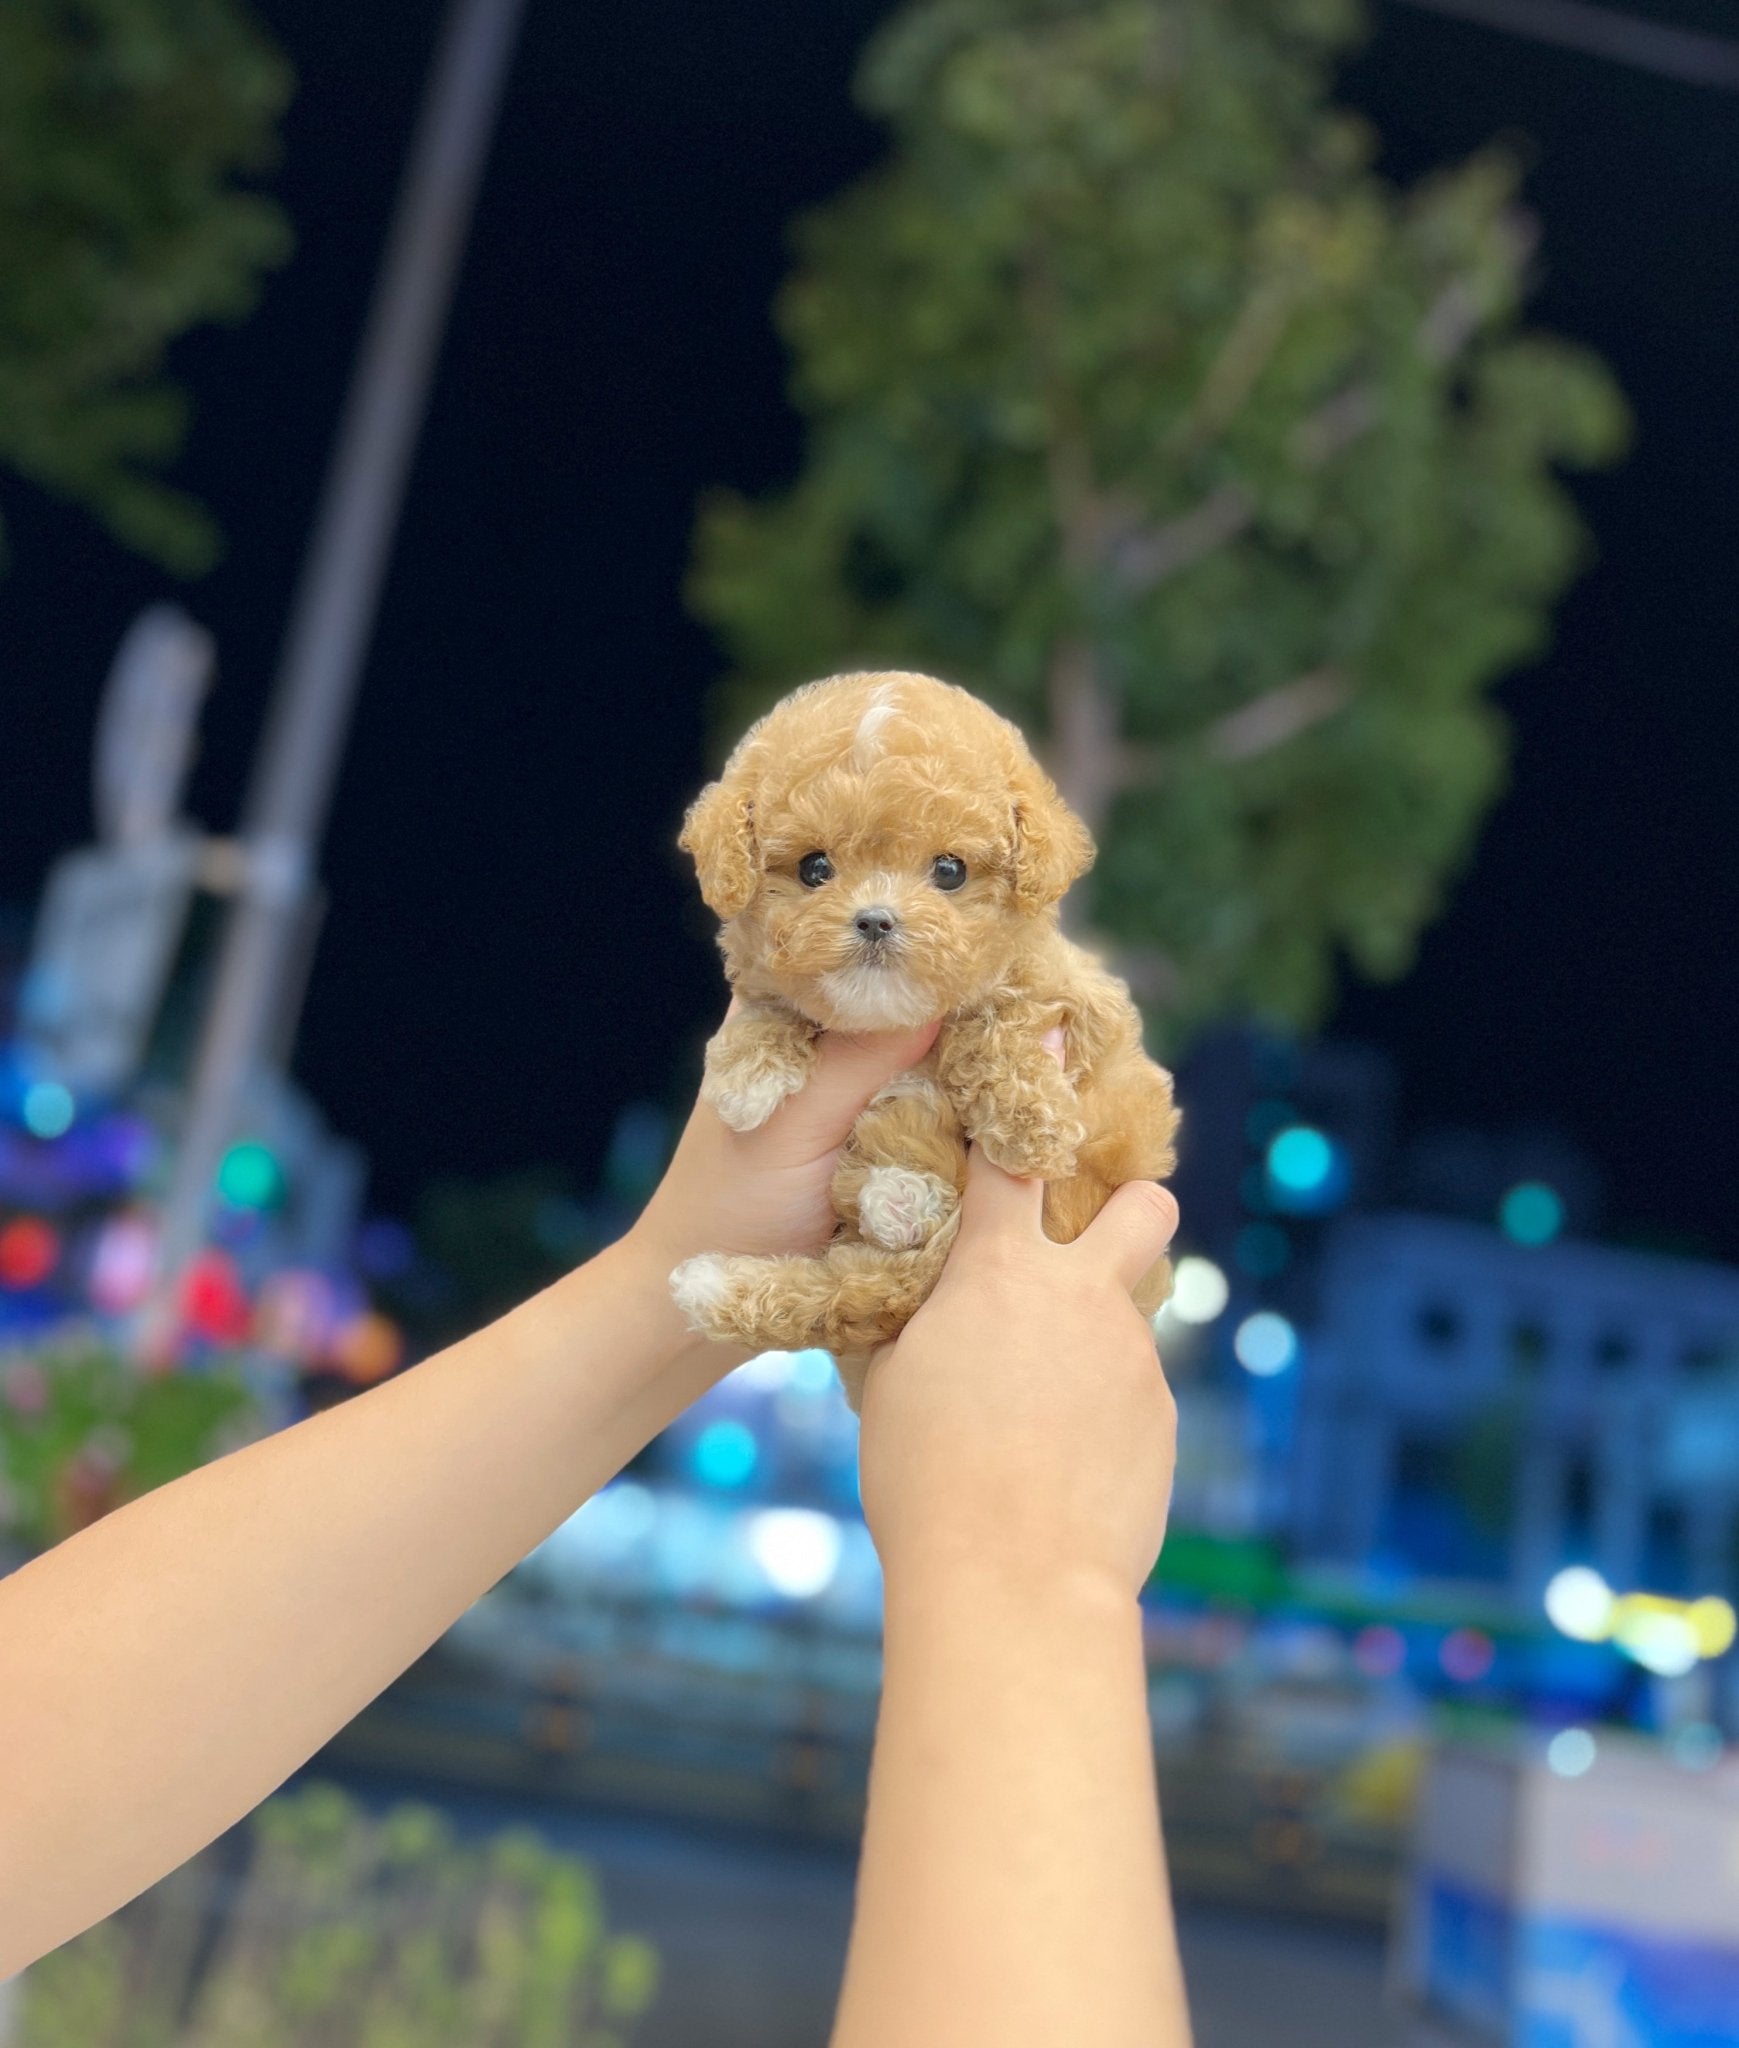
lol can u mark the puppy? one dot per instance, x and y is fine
(882, 849)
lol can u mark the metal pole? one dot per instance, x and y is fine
(332, 616)
(1680, 53)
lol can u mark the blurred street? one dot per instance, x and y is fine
(752, 1933)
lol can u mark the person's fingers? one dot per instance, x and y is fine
(997, 1204)
(1056, 1045)
(1129, 1233)
(848, 1071)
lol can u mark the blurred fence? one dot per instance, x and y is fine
(1283, 1796)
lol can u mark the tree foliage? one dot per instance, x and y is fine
(351, 1929)
(1137, 400)
(82, 1431)
(123, 127)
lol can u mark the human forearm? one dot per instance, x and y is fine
(1012, 1886)
(245, 1613)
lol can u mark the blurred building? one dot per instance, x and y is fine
(1580, 1402)
(1279, 1135)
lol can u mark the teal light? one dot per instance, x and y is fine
(1305, 1173)
(725, 1453)
(249, 1178)
(1300, 1159)
(48, 1109)
(1531, 1213)
(1262, 1250)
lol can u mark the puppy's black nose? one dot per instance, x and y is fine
(876, 922)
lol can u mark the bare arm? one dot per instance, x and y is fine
(1016, 1463)
(164, 1670)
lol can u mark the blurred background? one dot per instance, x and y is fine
(425, 439)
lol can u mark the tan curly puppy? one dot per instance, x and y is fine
(883, 849)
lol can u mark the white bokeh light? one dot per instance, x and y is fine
(1199, 1291)
(812, 1372)
(607, 1529)
(769, 1371)
(1665, 1644)
(798, 1549)
(1571, 1753)
(1579, 1604)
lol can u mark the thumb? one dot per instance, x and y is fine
(849, 1068)
(1129, 1233)
(998, 1204)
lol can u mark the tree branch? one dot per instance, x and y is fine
(1143, 560)
(1083, 720)
(1085, 755)
(1279, 715)
(1266, 722)
(1080, 513)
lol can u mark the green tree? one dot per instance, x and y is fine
(123, 127)
(350, 1929)
(1138, 401)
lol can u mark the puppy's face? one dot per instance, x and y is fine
(878, 847)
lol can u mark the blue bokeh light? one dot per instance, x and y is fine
(725, 1454)
(1265, 1344)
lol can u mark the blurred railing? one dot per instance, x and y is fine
(1282, 1799)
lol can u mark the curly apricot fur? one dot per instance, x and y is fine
(885, 772)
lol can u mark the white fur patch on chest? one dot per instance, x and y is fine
(867, 998)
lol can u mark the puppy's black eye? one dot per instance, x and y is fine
(814, 869)
(947, 871)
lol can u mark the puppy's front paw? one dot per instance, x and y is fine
(747, 1091)
(700, 1287)
(1028, 1142)
(900, 1209)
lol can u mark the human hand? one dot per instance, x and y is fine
(1021, 1423)
(767, 1190)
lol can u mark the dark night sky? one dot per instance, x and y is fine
(512, 949)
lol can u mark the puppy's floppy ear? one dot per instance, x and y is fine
(1052, 848)
(719, 832)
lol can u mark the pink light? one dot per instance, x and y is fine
(1467, 1654)
(297, 1312)
(121, 1269)
(1379, 1651)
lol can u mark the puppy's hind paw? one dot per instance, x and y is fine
(900, 1209)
